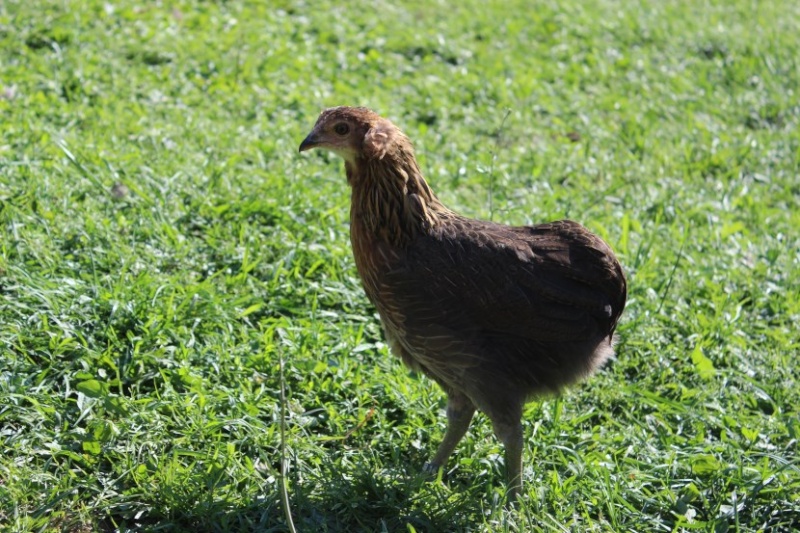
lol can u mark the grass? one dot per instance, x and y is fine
(163, 246)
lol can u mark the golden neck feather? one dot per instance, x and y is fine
(390, 199)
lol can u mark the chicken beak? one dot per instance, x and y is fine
(309, 142)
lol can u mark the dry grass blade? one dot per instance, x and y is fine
(497, 136)
(284, 488)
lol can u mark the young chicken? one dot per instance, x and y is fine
(495, 314)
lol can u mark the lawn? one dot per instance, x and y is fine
(164, 248)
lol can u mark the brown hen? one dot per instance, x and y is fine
(494, 314)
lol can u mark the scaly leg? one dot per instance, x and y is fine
(510, 434)
(459, 414)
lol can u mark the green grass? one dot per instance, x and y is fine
(140, 333)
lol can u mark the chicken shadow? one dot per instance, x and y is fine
(380, 496)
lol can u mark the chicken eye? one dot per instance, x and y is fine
(341, 129)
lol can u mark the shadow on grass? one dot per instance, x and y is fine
(364, 497)
(381, 496)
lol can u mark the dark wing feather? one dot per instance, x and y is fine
(548, 283)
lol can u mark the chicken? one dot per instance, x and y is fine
(496, 315)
